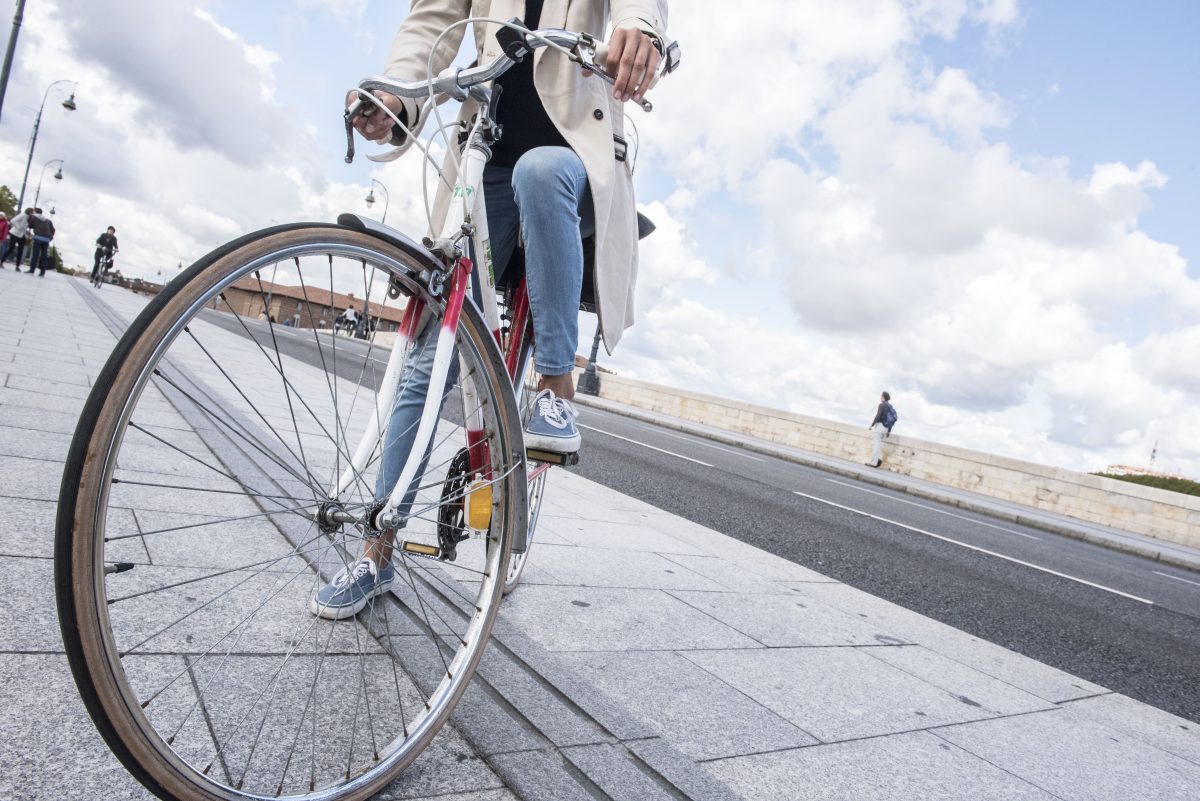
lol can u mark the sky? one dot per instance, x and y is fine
(986, 207)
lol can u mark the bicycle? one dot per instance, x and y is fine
(106, 264)
(212, 485)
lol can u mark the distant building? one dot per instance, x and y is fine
(1128, 470)
(303, 307)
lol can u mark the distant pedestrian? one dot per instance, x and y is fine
(350, 321)
(3, 233)
(43, 235)
(106, 247)
(881, 426)
(18, 230)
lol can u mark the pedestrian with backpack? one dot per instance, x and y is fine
(881, 426)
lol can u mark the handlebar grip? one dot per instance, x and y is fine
(512, 41)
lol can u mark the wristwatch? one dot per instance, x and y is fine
(657, 42)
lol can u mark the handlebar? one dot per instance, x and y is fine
(458, 83)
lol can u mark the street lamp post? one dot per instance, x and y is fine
(371, 199)
(12, 49)
(69, 105)
(58, 176)
(589, 382)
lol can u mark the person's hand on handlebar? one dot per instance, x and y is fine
(633, 60)
(372, 123)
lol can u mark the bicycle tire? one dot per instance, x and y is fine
(181, 740)
(525, 386)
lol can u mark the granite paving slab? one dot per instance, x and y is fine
(31, 443)
(837, 693)
(31, 621)
(27, 399)
(621, 536)
(607, 619)
(696, 712)
(35, 479)
(1077, 759)
(968, 684)
(1028, 674)
(43, 387)
(733, 575)
(1155, 727)
(61, 754)
(904, 767)
(27, 528)
(617, 775)
(540, 776)
(52, 372)
(603, 567)
(787, 620)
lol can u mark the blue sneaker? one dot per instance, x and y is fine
(551, 425)
(350, 590)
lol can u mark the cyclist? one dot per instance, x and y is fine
(106, 246)
(557, 174)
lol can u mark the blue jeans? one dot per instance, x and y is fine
(41, 254)
(547, 196)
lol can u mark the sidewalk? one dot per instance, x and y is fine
(643, 657)
(1159, 550)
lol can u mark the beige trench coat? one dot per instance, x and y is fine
(582, 109)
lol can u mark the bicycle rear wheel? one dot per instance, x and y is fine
(187, 548)
(526, 389)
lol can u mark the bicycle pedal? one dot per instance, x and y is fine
(550, 457)
(421, 549)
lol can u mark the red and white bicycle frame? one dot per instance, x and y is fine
(466, 212)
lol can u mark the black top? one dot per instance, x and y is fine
(520, 110)
(42, 227)
(106, 242)
(881, 413)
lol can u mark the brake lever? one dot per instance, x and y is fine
(352, 111)
(584, 54)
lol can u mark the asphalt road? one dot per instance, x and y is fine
(1121, 621)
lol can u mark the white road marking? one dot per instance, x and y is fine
(644, 445)
(977, 548)
(1177, 578)
(696, 441)
(935, 509)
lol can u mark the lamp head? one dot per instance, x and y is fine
(69, 103)
(370, 197)
(58, 175)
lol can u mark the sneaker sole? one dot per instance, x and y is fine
(350, 610)
(553, 444)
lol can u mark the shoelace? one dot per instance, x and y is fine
(556, 411)
(350, 574)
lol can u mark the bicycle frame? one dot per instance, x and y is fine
(466, 214)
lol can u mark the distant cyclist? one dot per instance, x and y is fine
(106, 246)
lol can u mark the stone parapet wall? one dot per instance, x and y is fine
(1169, 516)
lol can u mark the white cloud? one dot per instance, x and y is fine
(1010, 303)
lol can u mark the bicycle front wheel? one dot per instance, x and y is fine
(188, 545)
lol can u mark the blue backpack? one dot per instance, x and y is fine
(890, 417)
